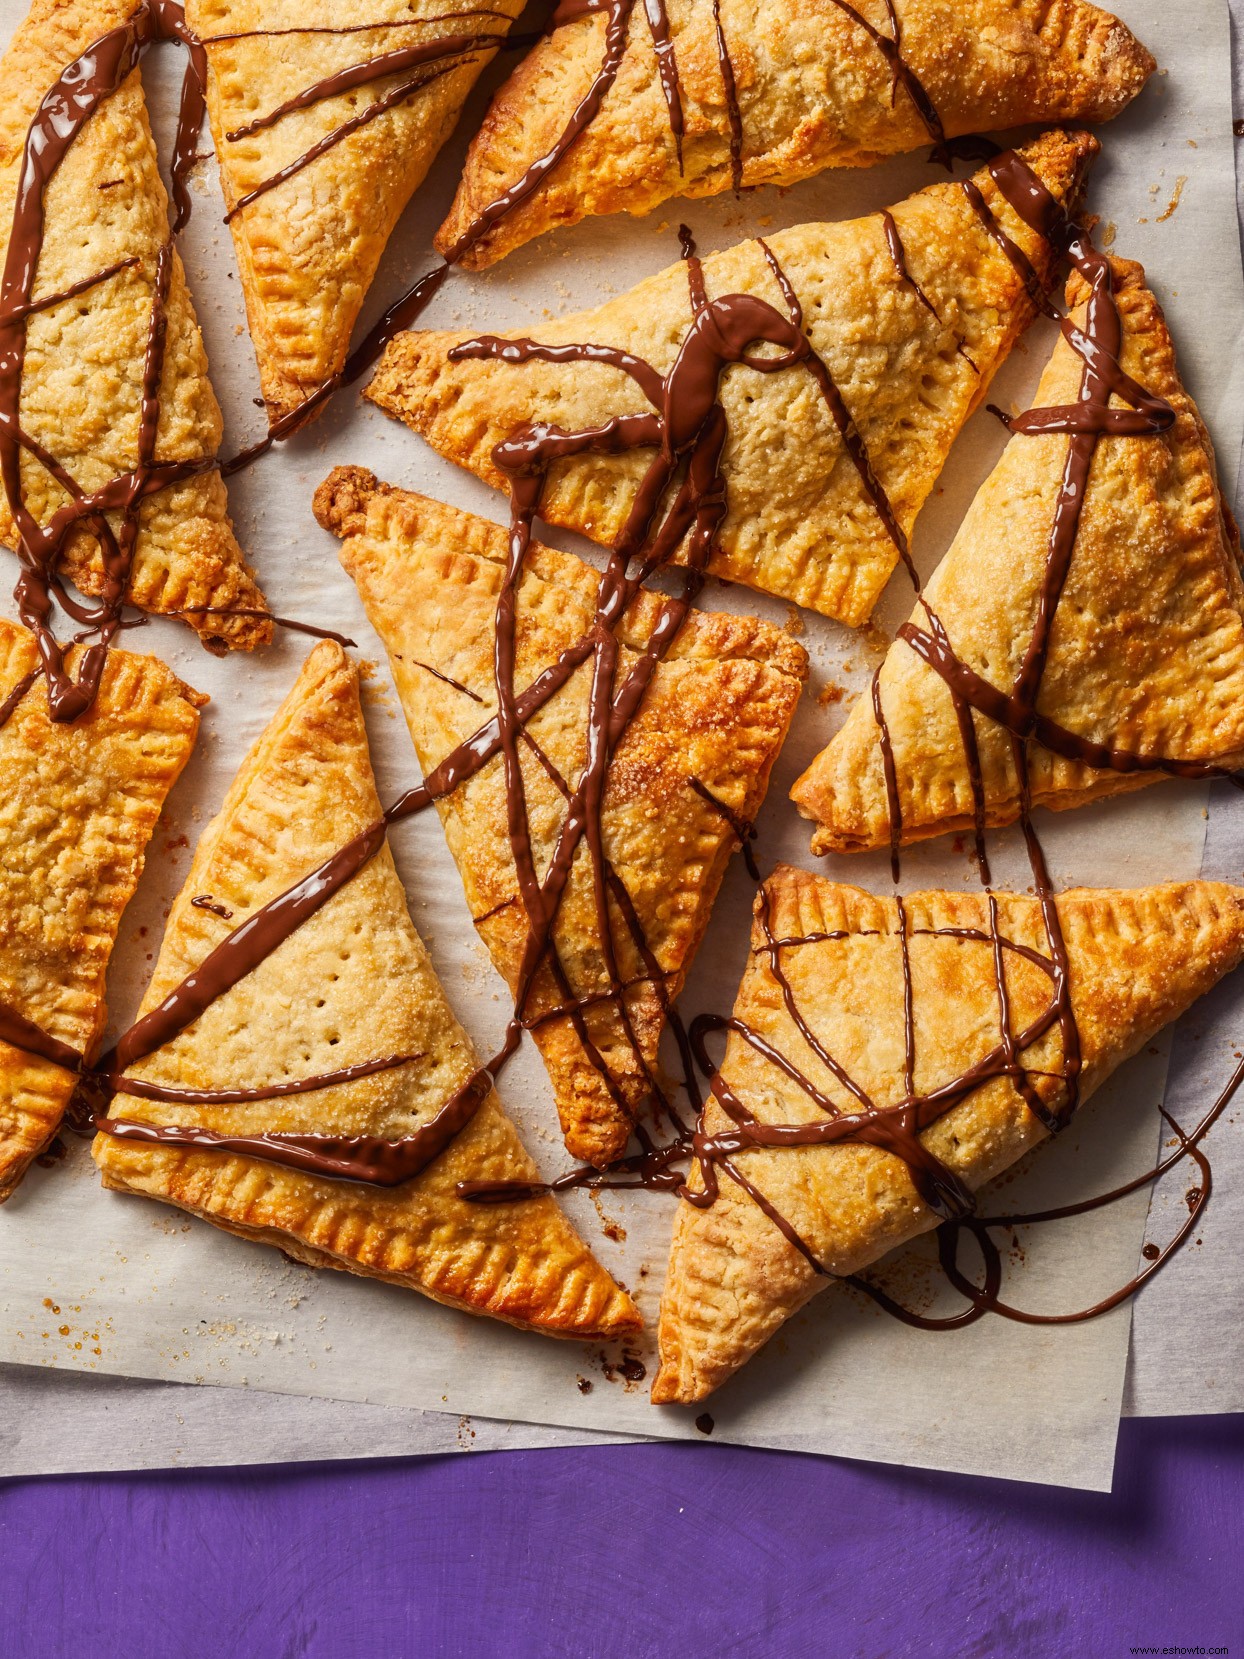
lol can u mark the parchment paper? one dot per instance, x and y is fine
(1188, 1327)
(95, 1281)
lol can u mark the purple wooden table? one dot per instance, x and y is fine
(632, 1551)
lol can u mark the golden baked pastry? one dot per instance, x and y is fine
(78, 804)
(689, 770)
(911, 313)
(347, 158)
(767, 93)
(1146, 651)
(1136, 961)
(351, 985)
(81, 395)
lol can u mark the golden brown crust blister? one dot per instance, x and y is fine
(799, 522)
(1147, 649)
(813, 91)
(352, 984)
(1137, 961)
(717, 709)
(78, 804)
(308, 249)
(81, 389)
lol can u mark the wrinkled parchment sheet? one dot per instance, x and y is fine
(95, 1281)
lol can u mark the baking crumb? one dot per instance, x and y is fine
(830, 693)
(1176, 194)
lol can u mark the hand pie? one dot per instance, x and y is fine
(716, 96)
(316, 189)
(106, 218)
(1146, 651)
(690, 768)
(910, 313)
(1136, 961)
(78, 804)
(350, 985)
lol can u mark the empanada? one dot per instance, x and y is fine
(1145, 655)
(106, 244)
(689, 769)
(315, 192)
(1136, 960)
(78, 804)
(910, 313)
(352, 985)
(745, 93)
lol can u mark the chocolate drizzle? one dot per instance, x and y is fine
(205, 901)
(746, 833)
(667, 68)
(64, 111)
(678, 508)
(617, 15)
(679, 504)
(734, 116)
(428, 60)
(897, 1128)
(1085, 422)
(110, 514)
(8, 707)
(24, 1034)
(898, 257)
(901, 73)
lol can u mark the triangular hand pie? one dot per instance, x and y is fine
(910, 314)
(746, 93)
(106, 238)
(689, 770)
(1146, 652)
(1135, 961)
(352, 984)
(78, 804)
(345, 159)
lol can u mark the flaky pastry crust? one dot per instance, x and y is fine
(717, 710)
(813, 92)
(1137, 961)
(82, 385)
(353, 983)
(799, 522)
(78, 804)
(1147, 649)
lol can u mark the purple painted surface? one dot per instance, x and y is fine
(632, 1551)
